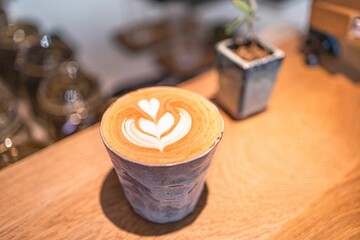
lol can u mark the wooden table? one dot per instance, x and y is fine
(291, 172)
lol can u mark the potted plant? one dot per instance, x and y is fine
(247, 67)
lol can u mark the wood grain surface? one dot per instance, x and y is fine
(291, 172)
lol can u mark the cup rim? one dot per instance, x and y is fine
(216, 142)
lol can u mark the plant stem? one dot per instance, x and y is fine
(251, 19)
(250, 25)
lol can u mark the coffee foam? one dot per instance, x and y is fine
(161, 125)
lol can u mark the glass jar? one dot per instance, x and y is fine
(39, 61)
(69, 101)
(15, 139)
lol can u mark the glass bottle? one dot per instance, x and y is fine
(69, 101)
(15, 139)
(37, 62)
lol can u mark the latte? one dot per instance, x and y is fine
(161, 125)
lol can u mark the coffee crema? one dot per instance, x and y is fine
(161, 125)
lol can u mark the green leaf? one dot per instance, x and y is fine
(230, 28)
(242, 6)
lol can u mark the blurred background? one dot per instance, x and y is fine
(90, 27)
(61, 62)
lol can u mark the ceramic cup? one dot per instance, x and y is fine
(163, 193)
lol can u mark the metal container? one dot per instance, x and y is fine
(245, 86)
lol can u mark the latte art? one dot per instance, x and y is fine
(161, 125)
(151, 132)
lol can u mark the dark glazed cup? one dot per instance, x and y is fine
(163, 193)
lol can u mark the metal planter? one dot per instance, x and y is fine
(245, 86)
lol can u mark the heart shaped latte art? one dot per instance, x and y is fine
(150, 107)
(151, 134)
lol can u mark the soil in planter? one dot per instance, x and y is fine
(251, 51)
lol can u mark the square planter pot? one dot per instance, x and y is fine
(245, 86)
